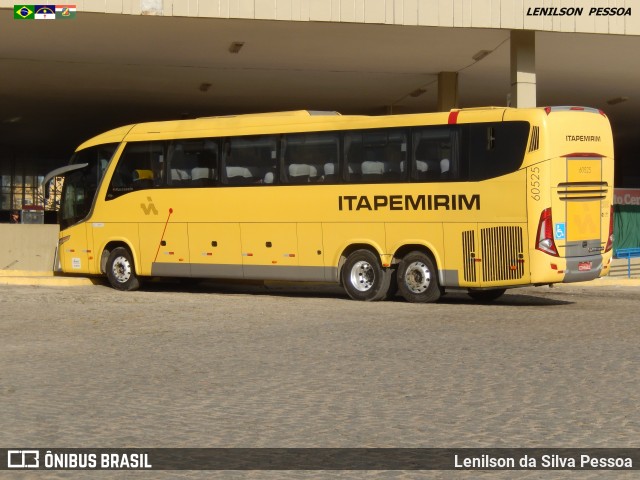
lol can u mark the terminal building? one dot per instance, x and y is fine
(109, 63)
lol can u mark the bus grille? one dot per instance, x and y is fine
(582, 191)
(502, 253)
(468, 253)
(535, 139)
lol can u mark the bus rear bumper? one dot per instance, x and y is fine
(583, 269)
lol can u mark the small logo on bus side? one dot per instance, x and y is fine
(560, 231)
(23, 458)
(149, 208)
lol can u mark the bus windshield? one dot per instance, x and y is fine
(80, 186)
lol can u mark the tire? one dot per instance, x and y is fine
(486, 295)
(121, 271)
(363, 278)
(418, 278)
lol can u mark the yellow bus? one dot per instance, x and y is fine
(480, 199)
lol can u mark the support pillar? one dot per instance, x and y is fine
(523, 69)
(447, 91)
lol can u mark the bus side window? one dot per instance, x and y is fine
(249, 160)
(309, 158)
(192, 163)
(436, 154)
(376, 156)
(141, 166)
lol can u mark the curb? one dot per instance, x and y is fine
(41, 279)
(25, 273)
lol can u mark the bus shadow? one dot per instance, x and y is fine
(318, 290)
(509, 299)
(244, 287)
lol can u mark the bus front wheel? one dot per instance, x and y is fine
(364, 278)
(418, 279)
(121, 270)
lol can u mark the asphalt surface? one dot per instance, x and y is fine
(209, 365)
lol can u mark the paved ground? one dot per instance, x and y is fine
(177, 366)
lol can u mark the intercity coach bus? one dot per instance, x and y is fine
(480, 199)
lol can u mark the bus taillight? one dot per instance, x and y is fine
(544, 240)
(610, 237)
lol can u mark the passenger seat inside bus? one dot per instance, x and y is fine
(302, 173)
(329, 172)
(373, 171)
(179, 176)
(142, 179)
(239, 175)
(445, 168)
(201, 176)
(423, 169)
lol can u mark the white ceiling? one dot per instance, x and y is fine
(64, 81)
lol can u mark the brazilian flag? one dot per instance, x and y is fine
(23, 12)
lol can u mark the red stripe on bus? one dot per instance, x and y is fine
(583, 154)
(453, 118)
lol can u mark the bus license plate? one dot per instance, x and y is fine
(584, 266)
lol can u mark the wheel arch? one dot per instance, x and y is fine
(417, 247)
(349, 249)
(427, 249)
(112, 245)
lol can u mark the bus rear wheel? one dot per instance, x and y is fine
(486, 295)
(418, 279)
(121, 270)
(364, 278)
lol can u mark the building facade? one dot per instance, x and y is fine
(126, 61)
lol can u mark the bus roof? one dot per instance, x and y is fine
(290, 113)
(298, 121)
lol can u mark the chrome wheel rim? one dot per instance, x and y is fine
(121, 269)
(417, 277)
(362, 276)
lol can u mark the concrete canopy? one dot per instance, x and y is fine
(64, 81)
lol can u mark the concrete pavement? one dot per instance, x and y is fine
(213, 367)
